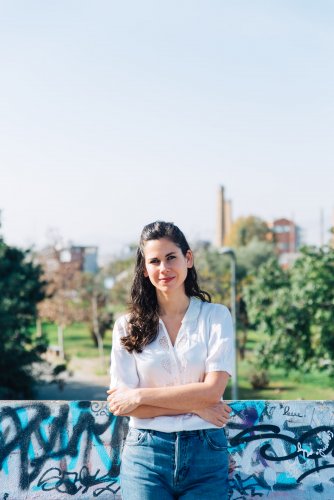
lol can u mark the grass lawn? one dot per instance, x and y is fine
(284, 386)
(294, 385)
(77, 340)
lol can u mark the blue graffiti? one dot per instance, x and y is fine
(61, 439)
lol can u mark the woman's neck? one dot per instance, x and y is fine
(173, 305)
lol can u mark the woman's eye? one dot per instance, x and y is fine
(170, 257)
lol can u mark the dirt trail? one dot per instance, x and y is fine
(83, 381)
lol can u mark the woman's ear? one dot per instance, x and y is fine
(189, 259)
(145, 272)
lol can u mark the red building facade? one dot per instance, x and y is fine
(286, 236)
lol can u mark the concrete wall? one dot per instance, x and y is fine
(61, 450)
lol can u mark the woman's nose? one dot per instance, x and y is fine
(163, 266)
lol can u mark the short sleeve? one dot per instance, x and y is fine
(123, 370)
(220, 342)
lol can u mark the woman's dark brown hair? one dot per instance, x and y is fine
(144, 314)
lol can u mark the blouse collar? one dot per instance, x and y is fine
(193, 311)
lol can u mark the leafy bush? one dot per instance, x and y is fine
(259, 379)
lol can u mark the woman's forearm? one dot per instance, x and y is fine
(180, 398)
(186, 397)
(146, 411)
(217, 414)
(183, 397)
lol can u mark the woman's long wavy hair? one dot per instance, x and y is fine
(143, 319)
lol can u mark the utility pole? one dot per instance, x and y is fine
(230, 252)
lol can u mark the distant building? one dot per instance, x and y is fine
(223, 219)
(286, 235)
(70, 259)
(83, 258)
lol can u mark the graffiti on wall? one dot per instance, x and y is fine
(282, 449)
(65, 448)
(59, 450)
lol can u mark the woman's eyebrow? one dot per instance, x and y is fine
(167, 255)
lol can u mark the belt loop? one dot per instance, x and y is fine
(201, 434)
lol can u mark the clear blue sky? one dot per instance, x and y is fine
(114, 114)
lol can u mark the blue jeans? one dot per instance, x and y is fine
(187, 465)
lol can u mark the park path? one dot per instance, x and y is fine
(81, 383)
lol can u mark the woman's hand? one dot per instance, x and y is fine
(217, 414)
(122, 400)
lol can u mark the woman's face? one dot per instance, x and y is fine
(165, 265)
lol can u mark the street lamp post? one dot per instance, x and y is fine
(229, 251)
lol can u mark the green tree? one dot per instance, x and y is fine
(246, 229)
(95, 307)
(21, 289)
(62, 303)
(295, 311)
(252, 256)
(214, 274)
(119, 273)
(313, 283)
(215, 277)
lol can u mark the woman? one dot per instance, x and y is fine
(170, 364)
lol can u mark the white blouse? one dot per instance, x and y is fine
(203, 344)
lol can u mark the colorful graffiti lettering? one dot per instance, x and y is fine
(35, 436)
(276, 446)
(58, 450)
(75, 482)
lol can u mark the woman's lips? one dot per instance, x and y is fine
(166, 280)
